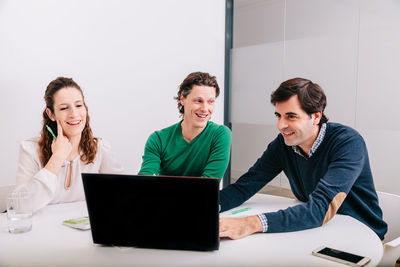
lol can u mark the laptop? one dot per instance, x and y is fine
(167, 212)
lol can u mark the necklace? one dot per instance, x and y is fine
(67, 181)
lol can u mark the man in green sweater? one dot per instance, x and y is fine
(194, 146)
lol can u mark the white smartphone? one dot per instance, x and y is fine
(341, 256)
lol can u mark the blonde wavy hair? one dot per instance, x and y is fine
(88, 143)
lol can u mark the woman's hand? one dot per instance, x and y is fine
(61, 147)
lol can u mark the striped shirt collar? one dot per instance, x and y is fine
(316, 144)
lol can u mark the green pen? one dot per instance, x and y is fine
(49, 129)
(241, 210)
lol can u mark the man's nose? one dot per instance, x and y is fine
(282, 124)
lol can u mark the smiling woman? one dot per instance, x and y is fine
(50, 166)
(194, 146)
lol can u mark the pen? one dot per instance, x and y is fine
(49, 129)
(238, 211)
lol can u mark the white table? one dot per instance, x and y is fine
(52, 244)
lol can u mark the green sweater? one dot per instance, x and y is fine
(168, 153)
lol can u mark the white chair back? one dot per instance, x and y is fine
(390, 205)
(5, 190)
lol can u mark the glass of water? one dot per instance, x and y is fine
(19, 212)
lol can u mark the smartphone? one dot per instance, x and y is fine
(341, 256)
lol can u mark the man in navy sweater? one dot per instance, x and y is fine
(326, 163)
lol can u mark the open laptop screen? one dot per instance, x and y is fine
(153, 211)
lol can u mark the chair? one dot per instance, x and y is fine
(5, 190)
(390, 205)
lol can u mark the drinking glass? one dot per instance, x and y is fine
(19, 212)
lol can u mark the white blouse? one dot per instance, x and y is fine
(48, 188)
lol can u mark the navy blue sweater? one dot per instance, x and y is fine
(339, 167)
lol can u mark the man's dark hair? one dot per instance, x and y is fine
(195, 78)
(311, 96)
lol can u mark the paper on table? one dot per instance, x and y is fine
(81, 223)
(239, 211)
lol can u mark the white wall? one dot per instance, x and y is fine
(349, 47)
(129, 57)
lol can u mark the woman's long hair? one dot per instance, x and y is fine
(88, 143)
